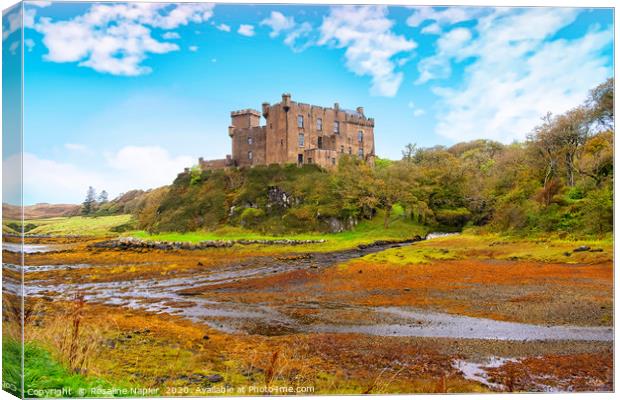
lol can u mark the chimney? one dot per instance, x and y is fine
(266, 109)
(286, 101)
(336, 106)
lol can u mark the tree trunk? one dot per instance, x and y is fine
(386, 220)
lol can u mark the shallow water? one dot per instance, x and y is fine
(432, 324)
(475, 371)
(165, 296)
(31, 248)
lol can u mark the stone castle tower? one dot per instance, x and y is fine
(297, 133)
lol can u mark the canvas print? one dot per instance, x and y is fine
(294, 199)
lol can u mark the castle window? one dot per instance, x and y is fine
(319, 124)
(250, 141)
(301, 140)
(250, 155)
(350, 152)
(333, 161)
(342, 149)
(320, 142)
(300, 121)
(360, 136)
(360, 153)
(309, 160)
(336, 127)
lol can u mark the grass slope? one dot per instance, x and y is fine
(366, 231)
(44, 377)
(79, 226)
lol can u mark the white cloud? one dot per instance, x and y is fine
(29, 43)
(246, 30)
(432, 29)
(518, 73)
(442, 17)
(75, 147)
(278, 23)
(214, 60)
(39, 3)
(59, 182)
(116, 38)
(14, 46)
(223, 27)
(371, 45)
(171, 35)
(193, 48)
(448, 46)
(131, 167)
(417, 112)
(147, 167)
(298, 39)
(296, 35)
(13, 20)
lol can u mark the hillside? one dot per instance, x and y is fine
(560, 180)
(40, 210)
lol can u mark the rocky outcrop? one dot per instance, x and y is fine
(134, 243)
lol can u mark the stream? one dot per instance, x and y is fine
(164, 296)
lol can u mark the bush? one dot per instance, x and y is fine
(453, 218)
(250, 217)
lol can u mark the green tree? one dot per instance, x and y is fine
(90, 202)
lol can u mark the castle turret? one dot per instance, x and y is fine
(247, 118)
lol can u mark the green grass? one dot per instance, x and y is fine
(365, 232)
(44, 376)
(79, 226)
(496, 247)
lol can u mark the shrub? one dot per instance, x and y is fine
(454, 218)
(250, 217)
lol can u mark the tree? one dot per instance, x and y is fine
(409, 152)
(88, 205)
(103, 197)
(601, 103)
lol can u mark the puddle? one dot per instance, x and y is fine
(32, 248)
(440, 325)
(474, 371)
(435, 235)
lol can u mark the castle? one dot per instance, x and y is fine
(297, 133)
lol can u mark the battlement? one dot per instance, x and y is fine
(246, 111)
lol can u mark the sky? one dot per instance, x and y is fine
(125, 95)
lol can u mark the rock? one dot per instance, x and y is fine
(199, 264)
(206, 337)
(215, 378)
(581, 248)
(407, 289)
(567, 253)
(596, 250)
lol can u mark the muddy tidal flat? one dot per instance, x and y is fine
(448, 314)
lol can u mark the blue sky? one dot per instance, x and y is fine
(124, 96)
